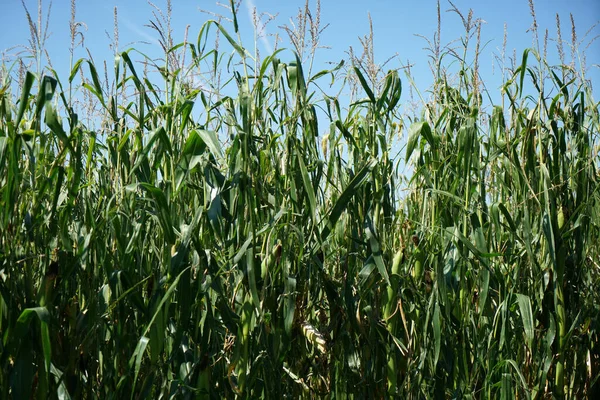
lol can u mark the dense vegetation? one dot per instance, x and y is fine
(238, 230)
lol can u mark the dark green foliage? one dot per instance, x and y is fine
(199, 246)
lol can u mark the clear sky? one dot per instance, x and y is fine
(395, 23)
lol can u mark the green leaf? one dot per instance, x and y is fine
(289, 307)
(562, 87)
(342, 202)
(97, 88)
(549, 234)
(296, 78)
(392, 89)
(25, 91)
(364, 84)
(54, 124)
(416, 130)
(308, 188)
(46, 347)
(508, 217)
(437, 333)
(62, 393)
(251, 271)
(519, 374)
(184, 111)
(22, 326)
(522, 69)
(327, 71)
(22, 373)
(456, 234)
(527, 318)
(376, 250)
(136, 360)
(212, 141)
(163, 211)
(506, 392)
(231, 41)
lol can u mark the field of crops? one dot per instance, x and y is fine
(218, 225)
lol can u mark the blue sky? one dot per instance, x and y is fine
(395, 25)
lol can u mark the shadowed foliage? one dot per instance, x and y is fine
(203, 239)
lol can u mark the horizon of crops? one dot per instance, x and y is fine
(188, 231)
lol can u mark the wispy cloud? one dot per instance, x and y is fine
(130, 24)
(137, 30)
(262, 33)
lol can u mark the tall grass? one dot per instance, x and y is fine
(197, 236)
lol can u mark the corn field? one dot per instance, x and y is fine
(217, 225)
